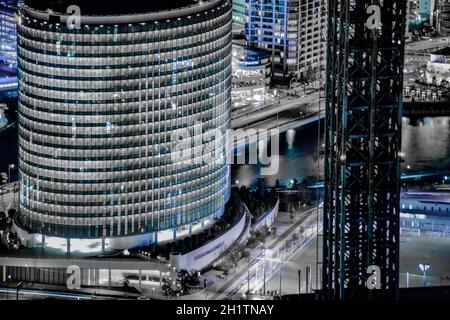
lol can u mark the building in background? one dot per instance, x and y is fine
(430, 216)
(239, 8)
(97, 109)
(443, 18)
(8, 47)
(251, 73)
(412, 15)
(293, 31)
(426, 9)
(438, 68)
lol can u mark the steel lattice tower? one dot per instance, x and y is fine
(363, 135)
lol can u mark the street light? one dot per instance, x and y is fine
(7, 286)
(424, 267)
(11, 166)
(264, 271)
(18, 287)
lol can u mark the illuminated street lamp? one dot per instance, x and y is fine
(10, 167)
(7, 286)
(424, 267)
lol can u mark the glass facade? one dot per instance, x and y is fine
(97, 108)
(239, 8)
(251, 73)
(8, 46)
(444, 18)
(292, 30)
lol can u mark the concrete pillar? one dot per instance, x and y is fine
(190, 229)
(4, 273)
(174, 233)
(156, 237)
(97, 277)
(109, 278)
(140, 280)
(68, 246)
(103, 245)
(92, 277)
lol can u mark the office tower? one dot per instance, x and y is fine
(99, 101)
(8, 46)
(293, 31)
(239, 12)
(443, 18)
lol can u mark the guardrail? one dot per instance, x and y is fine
(201, 257)
(267, 218)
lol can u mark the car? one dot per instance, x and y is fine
(222, 276)
(143, 298)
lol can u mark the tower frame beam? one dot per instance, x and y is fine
(363, 147)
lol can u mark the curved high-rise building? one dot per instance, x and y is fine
(101, 94)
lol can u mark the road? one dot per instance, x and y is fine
(307, 104)
(29, 294)
(425, 46)
(252, 277)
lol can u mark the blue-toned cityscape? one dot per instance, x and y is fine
(224, 150)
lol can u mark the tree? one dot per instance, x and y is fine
(277, 184)
(12, 213)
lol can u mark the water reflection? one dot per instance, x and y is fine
(290, 138)
(426, 143)
(298, 158)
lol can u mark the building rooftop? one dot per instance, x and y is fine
(104, 7)
(100, 12)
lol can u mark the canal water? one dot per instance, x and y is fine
(426, 143)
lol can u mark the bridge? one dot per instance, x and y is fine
(426, 109)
